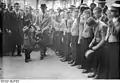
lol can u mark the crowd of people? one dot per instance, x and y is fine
(86, 37)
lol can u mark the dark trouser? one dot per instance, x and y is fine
(43, 48)
(61, 44)
(84, 47)
(7, 43)
(109, 62)
(46, 38)
(78, 54)
(43, 43)
(18, 49)
(57, 41)
(54, 40)
(27, 54)
(74, 47)
(67, 46)
(94, 59)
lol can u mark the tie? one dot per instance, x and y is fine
(17, 14)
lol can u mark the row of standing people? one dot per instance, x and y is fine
(75, 32)
(89, 41)
(19, 30)
(12, 30)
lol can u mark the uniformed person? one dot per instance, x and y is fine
(109, 68)
(81, 25)
(57, 31)
(61, 35)
(67, 36)
(86, 37)
(102, 4)
(97, 43)
(74, 34)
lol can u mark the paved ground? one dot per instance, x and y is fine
(49, 68)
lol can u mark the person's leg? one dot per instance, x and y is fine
(54, 44)
(57, 42)
(114, 72)
(109, 62)
(78, 59)
(29, 52)
(43, 51)
(69, 47)
(63, 47)
(61, 44)
(19, 50)
(13, 50)
(74, 49)
(84, 47)
(66, 45)
(43, 46)
(27, 55)
(92, 60)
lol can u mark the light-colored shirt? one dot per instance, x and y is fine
(87, 31)
(69, 24)
(100, 31)
(75, 28)
(62, 25)
(57, 22)
(114, 30)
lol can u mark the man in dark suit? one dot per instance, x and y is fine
(16, 25)
(6, 31)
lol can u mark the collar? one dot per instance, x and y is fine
(17, 12)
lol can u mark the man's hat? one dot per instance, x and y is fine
(101, 1)
(16, 4)
(43, 6)
(115, 6)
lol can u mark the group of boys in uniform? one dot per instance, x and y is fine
(86, 37)
(82, 40)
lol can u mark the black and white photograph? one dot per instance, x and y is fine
(60, 39)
